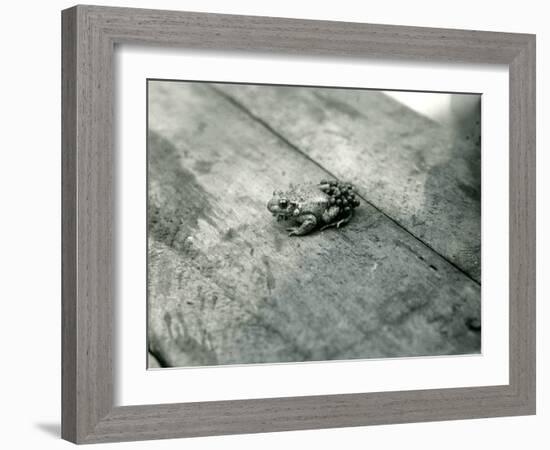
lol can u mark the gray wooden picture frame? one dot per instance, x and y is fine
(89, 37)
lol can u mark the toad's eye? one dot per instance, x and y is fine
(283, 203)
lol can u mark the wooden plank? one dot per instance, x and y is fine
(423, 175)
(227, 285)
(152, 362)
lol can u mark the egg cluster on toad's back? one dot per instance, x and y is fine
(340, 194)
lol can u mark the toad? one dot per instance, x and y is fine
(315, 206)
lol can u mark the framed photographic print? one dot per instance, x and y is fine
(278, 224)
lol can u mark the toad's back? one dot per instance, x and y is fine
(311, 199)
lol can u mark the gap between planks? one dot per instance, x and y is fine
(297, 149)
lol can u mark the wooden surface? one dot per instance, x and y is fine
(423, 175)
(226, 283)
(89, 38)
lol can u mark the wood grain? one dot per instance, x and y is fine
(228, 286)
(89, 208)
(68, 228)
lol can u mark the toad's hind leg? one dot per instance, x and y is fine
(330, 215)
(338, 223)
(308, 224)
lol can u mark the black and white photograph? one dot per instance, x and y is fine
(291, 224)
(275, 225)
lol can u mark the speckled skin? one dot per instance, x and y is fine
(310, 207)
